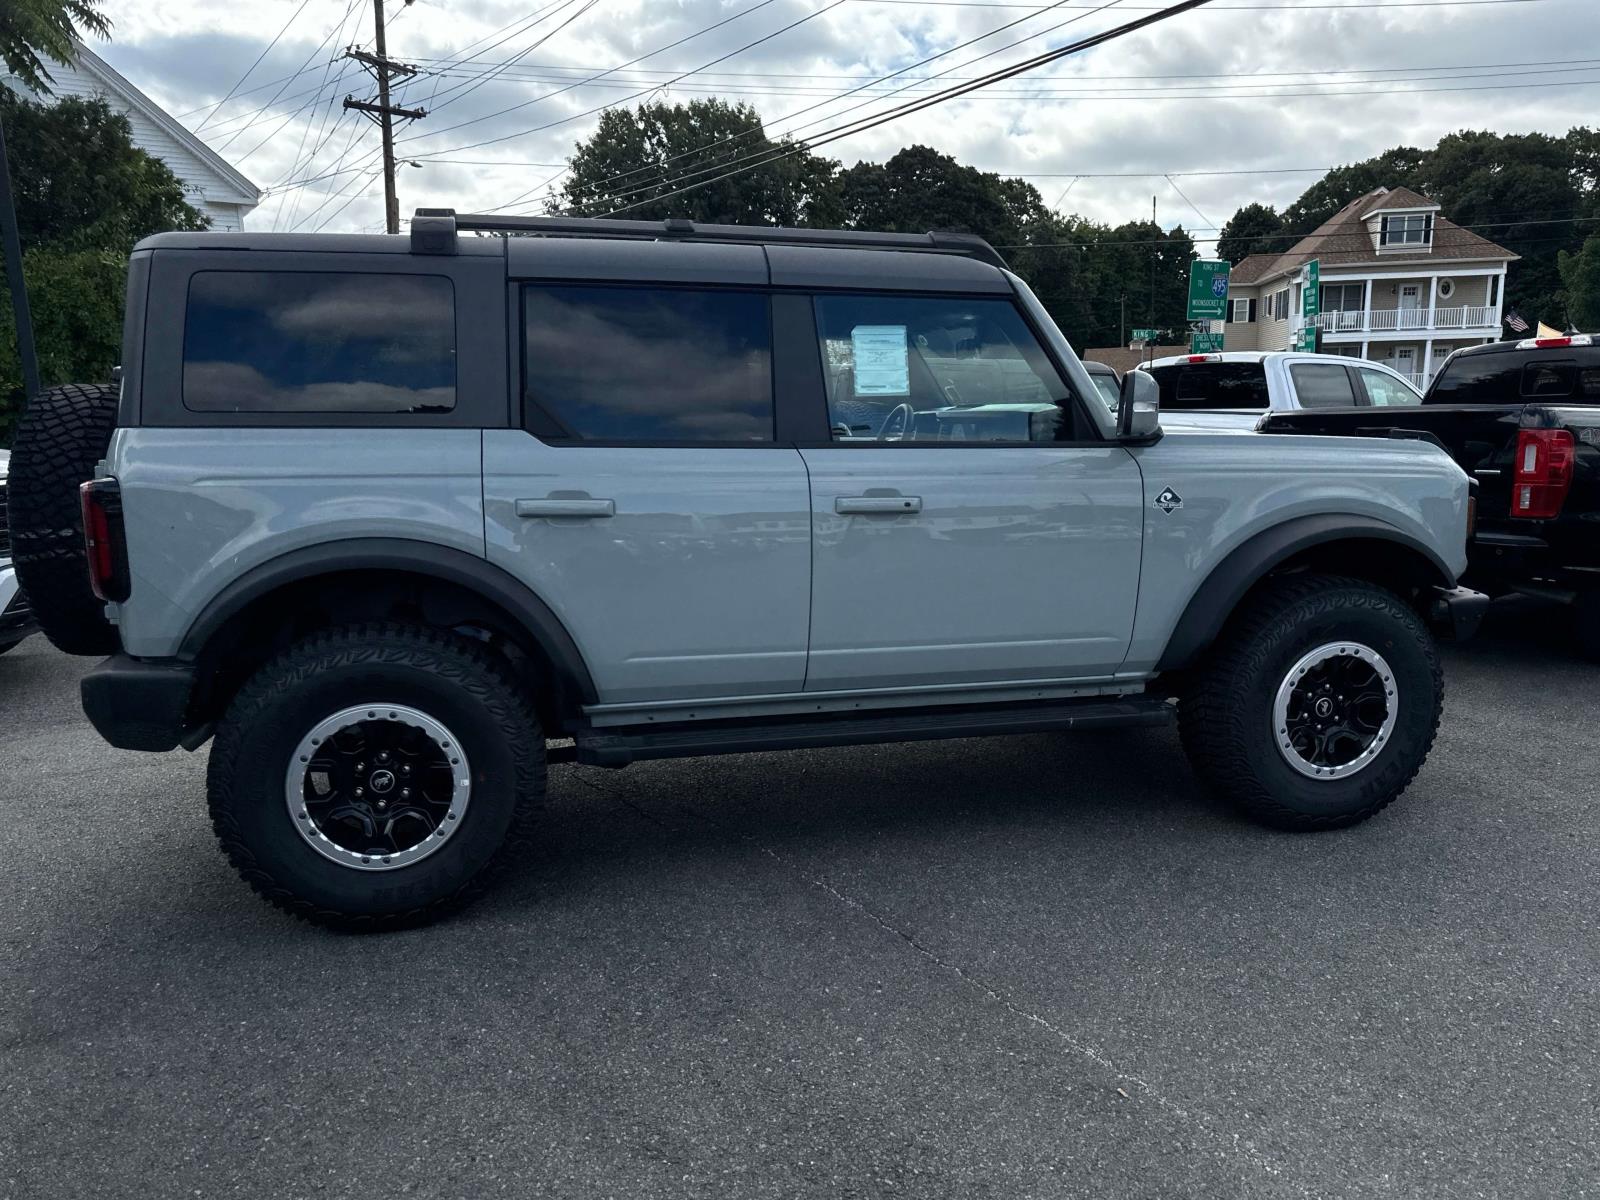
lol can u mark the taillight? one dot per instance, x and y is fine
(1543, 473)
(103, 540)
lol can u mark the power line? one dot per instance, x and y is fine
(1359, 237)
(1219, 7)
(790, 117)
(920, 103)
(601, 73)
(292, 18)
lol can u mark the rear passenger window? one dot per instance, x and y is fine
(1190, 386)
(292, 342)
(629, 364)
(1549, 380)
(1322, 385)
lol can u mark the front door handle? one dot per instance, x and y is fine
(847, 505)
(566, 508)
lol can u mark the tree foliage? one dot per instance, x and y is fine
(637, 160)
(31, 28)
(1253, 229)
(84, 194)
(1580, 277)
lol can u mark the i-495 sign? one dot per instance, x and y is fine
(1208, 289)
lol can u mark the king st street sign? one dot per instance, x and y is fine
(1208, 289)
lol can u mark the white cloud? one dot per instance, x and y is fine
(185, 54)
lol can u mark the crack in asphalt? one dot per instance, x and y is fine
(1234, 1142)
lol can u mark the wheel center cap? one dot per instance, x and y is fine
(381, 782)
(1324, 708)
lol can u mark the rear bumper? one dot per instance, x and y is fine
(137, 704)
(1459, 611)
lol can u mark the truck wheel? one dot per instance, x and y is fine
(376, 776)
(1318, 704)
(63, 433)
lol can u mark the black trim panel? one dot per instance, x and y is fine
(398, 554)
(137, 705)
(1215, 600)
(617, 747)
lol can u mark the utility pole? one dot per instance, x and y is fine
(1157, 228)
(382, 111)
(19, 286)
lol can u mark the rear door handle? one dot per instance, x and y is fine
(566, 508)
(847, 505)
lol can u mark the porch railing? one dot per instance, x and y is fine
(1395, 320)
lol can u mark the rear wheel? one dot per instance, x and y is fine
(63, 433)
(1317, 706)
(376, 776)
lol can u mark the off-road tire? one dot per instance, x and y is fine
(1225, 714)
(449, 677)
(63, 433)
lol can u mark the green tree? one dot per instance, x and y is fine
(636, 159)
(920, 189)
(85, 195)
(29, 28)
(1580, 273)
(1393, 168)
(1253, 229)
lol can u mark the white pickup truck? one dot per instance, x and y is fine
(1236, 388)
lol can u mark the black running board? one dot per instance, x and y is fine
(617, 747)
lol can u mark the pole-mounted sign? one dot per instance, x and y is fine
(1208, 289)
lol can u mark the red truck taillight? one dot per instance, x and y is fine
(104, 543)
(1543, 474)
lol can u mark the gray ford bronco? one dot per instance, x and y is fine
(396, 521)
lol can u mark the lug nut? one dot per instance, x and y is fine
(360, 791)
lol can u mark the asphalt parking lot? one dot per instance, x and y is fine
(1039, 966)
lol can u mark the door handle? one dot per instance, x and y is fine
(847, 505)
(566, 508)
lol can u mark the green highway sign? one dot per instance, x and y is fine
(1311, 298)
(1208, 289)
(1205, 343)
(1307, 341)
(1146, 335)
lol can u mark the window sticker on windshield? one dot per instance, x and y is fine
(883, 366)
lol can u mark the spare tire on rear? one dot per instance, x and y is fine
(63, 433)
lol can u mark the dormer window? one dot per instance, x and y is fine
(1410, 229)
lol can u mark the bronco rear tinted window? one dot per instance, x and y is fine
(1212, 385)
(285, 341)
(632, 364)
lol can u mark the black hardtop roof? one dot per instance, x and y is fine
(433, 231)
(570, 249)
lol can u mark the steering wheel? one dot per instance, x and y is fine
(897, 425)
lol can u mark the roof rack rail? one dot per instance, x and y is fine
(433, 231)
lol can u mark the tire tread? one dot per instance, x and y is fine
(447, 656)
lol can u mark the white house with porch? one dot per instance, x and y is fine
(1400, 284)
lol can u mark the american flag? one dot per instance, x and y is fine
(1515, 321)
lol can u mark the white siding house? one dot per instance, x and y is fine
(209, 183)
(1400, 284)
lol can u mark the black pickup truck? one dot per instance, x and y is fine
(1523, 419)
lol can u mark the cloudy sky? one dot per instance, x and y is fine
(1274, 90)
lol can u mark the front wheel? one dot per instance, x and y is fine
(1317, 706)
(376, 776)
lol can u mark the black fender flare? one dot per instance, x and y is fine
(1249, 562)
(398, 554)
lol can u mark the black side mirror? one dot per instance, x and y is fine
(1139, 411)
